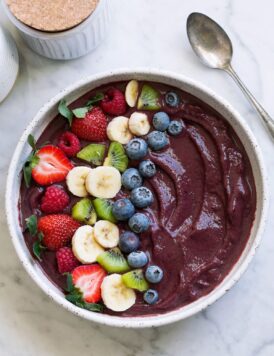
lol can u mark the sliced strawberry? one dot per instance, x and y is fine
(52, 167)
(88, 279)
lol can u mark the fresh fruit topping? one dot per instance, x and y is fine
(76, 181)
(93, 153)
(106, 233)
(52, 165)
(103, 208)
(66, 260)
(55, 200)
(69, 144)
(84, 246)
(161, 121)
(131, 93)
(88, 279)
(131, 179)
(149, 99)
(175, 127)
(92, 127)
(32, 226)
(118, 130)
(139, 124)
(151, 296)
(136, 148)
(114, 102)
(116, 296)
(123, 209)
(135, 280)
(154, 274)
(57, 230)
(141, 197)
(113, 261)
(147, 168)
(139, 223)
(65, 111)
(137, 259)
(103, 182)
(172, 99)
(84, 212)
(116, 157)
(129, 242)
(157, 140)
(31, 161)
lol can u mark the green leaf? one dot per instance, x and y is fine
(80, 113)
(65, 111)
(40, 236)
(37, 249)
(27, 173)
(32, 142)
(95, 307)
(70, 286)
(95, 99)
(31, 222)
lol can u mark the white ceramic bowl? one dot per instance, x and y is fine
(41, 120)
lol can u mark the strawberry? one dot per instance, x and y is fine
(114, 102)
(88, 280)
(92, 127)
(69, 143)
(55, 200)
(66, 260)
(57, 230)
(51, 165)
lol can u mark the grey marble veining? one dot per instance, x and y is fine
(146, 33)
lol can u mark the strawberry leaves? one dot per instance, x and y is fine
(31, 161)
(75, 296)
(37, 247)
(65, 111)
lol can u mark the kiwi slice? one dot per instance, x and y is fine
(103, 208)
(149, 99)
(113, 261)
(84, 212)
(135, 279)
(117, 157)
(93, 153)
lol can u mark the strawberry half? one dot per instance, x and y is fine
(52, 167)
(88, 280)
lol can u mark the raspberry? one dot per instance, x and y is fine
(114, 102)
(66, 260)
(69, 144)
(55, 200)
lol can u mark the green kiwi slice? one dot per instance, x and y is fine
(113, 261)
(103, 208)
(93, 153)
(84, 212)
(149, 99)
(116, 157)
(135, 279)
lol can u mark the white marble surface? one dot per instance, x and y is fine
(146, 32)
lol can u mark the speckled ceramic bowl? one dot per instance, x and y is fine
(36, 127)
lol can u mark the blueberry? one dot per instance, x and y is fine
(161, 121)
(123, 209)
(154, 274)
(141, 197)
(137, 259)
(139, 223)
(147, 168)
(136, 148)
(131, 179)
(175, 127)
(172, 99)
(151, 296)
(129, 242)
(157, 140)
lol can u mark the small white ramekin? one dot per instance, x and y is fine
(69, 44)
(48, 112)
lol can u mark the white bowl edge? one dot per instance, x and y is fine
(76, 90)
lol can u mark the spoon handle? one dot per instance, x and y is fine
(269, 122)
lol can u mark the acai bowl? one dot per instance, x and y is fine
(146, 202)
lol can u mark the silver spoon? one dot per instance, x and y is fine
(213, 46)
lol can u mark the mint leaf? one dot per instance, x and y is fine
(95, 99)
(80, 113)
(32, 142)
(40, 236)
(27, 174)
(70, 286)
(95, 307)
(31, 222)
(65, 111)
(37, 249)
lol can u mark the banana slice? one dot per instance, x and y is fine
(139, 124)
(106, 233)
(116, 296)
(84, 246)
(117, 130)
(131, 93)
(103, 182)
(76, 179)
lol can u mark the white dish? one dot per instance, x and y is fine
(41, 120)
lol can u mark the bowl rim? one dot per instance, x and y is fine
(178, 314)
